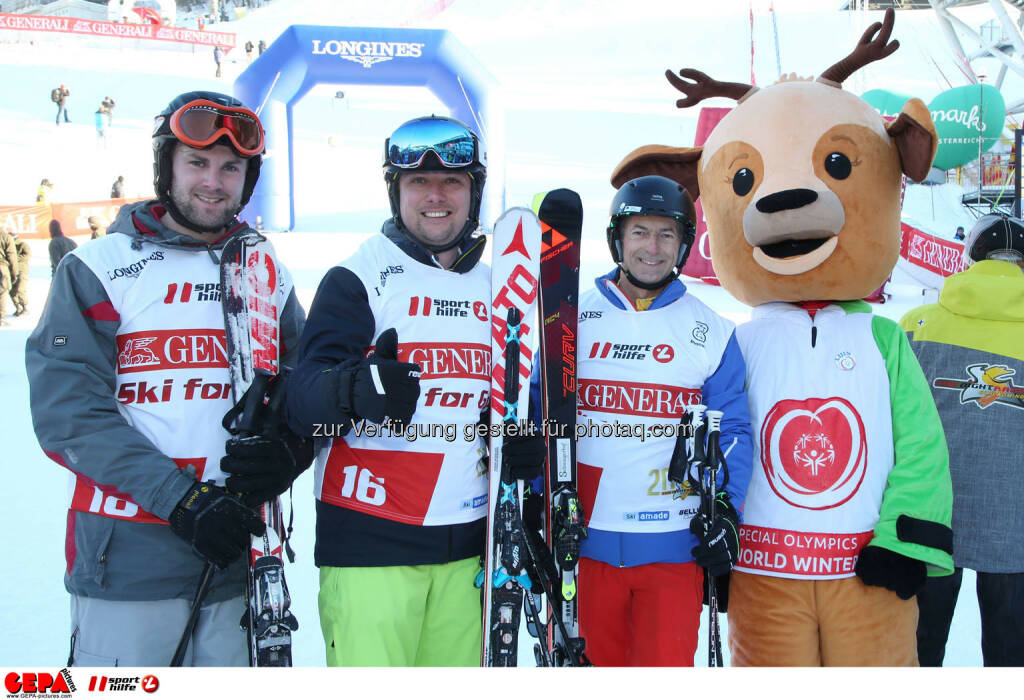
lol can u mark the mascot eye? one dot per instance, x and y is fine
(742, 181)
(838, 166)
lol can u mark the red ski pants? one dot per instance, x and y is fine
(642, 615)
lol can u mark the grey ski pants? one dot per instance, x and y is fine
(146, 633)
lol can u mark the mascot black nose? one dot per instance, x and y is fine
(787, 199)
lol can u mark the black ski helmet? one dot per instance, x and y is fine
(477, 171)
(995, 237)
(163, 148)
(652, 195)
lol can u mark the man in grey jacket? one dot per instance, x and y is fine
(129, 380)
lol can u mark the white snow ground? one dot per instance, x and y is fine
(583, 86)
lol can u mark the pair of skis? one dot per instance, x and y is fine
(534, 258)
(248, 273)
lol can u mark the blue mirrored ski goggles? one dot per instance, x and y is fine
(453, 144)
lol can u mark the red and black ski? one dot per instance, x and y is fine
(561, 216)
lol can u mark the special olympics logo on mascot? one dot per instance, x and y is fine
(814, 452)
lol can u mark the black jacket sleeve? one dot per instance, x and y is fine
(338, 332)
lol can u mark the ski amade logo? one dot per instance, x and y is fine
(814, 452)
(34, 684)
(986, 385)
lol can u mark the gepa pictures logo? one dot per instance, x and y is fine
(367, 53)
(31, 684)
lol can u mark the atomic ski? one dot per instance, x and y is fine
(561, 215)
(514, 283)
(248, 296)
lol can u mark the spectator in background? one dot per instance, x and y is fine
(60, 245)
(217, 55)
(248, 49)
(101, 135)
(19, 287)
(43, 193)
(959, 235)
(97, 227)
(60, 96)
(117, 189)
(971, 348)
(108, 108)
(8, 270)
(262, 47)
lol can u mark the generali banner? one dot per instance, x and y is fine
(928, 258)
(73, 25)
(33, 221)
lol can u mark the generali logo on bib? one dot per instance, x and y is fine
(814, 452)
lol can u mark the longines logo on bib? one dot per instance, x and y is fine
(367, 52)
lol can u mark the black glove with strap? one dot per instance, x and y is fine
(382, 387)
(214, 523)
(898, 573)
(525, 454)
(262, 467)
(719, 540)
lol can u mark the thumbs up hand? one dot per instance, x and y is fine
(383, 387)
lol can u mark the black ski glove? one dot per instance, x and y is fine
(525, 455)
(898, 573)
(383, 387)
(719, 540)
(214, 523)
(533, 509)
(262, 467)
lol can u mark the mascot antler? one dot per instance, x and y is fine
(867, 51)
(703, 87)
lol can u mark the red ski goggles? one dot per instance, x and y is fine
(200, 123)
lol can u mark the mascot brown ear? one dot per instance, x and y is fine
(915, 137)
(678, 164)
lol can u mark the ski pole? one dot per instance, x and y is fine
(193, 617)
(709, 494)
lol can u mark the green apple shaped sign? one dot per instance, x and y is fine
(959, 114)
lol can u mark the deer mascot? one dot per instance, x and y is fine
(849, 506)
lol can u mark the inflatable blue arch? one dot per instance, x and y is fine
(305, 56)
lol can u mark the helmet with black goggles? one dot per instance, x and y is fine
(652, 195)
(200, 120)
(436, 144)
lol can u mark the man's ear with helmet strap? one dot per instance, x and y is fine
(677, 164)
(914, 134)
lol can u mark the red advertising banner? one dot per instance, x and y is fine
(33, 221)
(928, 258)
(29, 221)
(73, 25)
(698, 264)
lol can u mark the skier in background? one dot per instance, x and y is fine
(971, 348)
(640, 581)
(19, 286)
(400, 522)
(117, 189)
(60, 245)
(128, 383)
(8, 270)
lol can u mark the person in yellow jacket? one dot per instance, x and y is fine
(971, 347)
